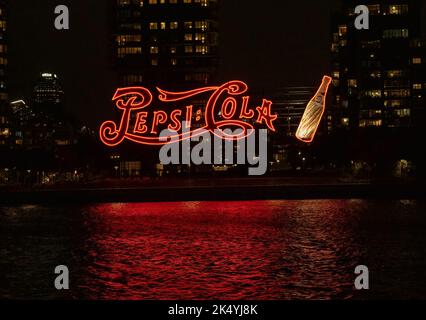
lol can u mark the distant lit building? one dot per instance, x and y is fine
(4, 122)
(289, 103)
(21, 121)
(376, 120)
(169, 43)
(378, 74)
(51, 124)
(48, 93)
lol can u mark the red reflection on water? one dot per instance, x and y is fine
(218, 250)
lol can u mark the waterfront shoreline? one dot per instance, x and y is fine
(214, 190)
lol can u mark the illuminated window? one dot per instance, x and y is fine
(374, 9)
(132, 168)
(203, 25)
(395, 33)
(200, 37)
(398, 93)
(123, 39)
(188, 25)
(338, 98)
(202, 49)
(417, 86)
(373, 93)
(417, 60)
(352, 83)
(403, 113)
(395, 74)
(375, 74)
(393, 103)
(371, 114)
(336, 74)
(396, 9)
(4, 132)
(370, 123)
(417, 44)
(128, 51)
(132, 79)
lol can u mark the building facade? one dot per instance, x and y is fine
(21, 118)
(48, 94)
(4, 121)
(167, 43)
(171, 44)
(378, 74)
(379, 82)
(290, 104)
(50, 124)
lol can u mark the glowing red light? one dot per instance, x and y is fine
(226, 108)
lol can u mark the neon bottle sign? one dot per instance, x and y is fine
(227, 108)
(313, 114)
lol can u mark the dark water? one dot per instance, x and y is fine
(215, 250)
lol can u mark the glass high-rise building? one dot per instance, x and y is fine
(378, 74)
(4, 122)
(51, 123)
(290, 104)
(167, 43)
(377, 116)
(48, 92)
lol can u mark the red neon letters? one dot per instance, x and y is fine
(227, 108)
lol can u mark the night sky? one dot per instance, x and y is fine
(267, 43)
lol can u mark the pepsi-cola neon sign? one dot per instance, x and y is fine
(227, 107)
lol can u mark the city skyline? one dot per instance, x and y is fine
(170, 44)
(172, 149)
(281, 33)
